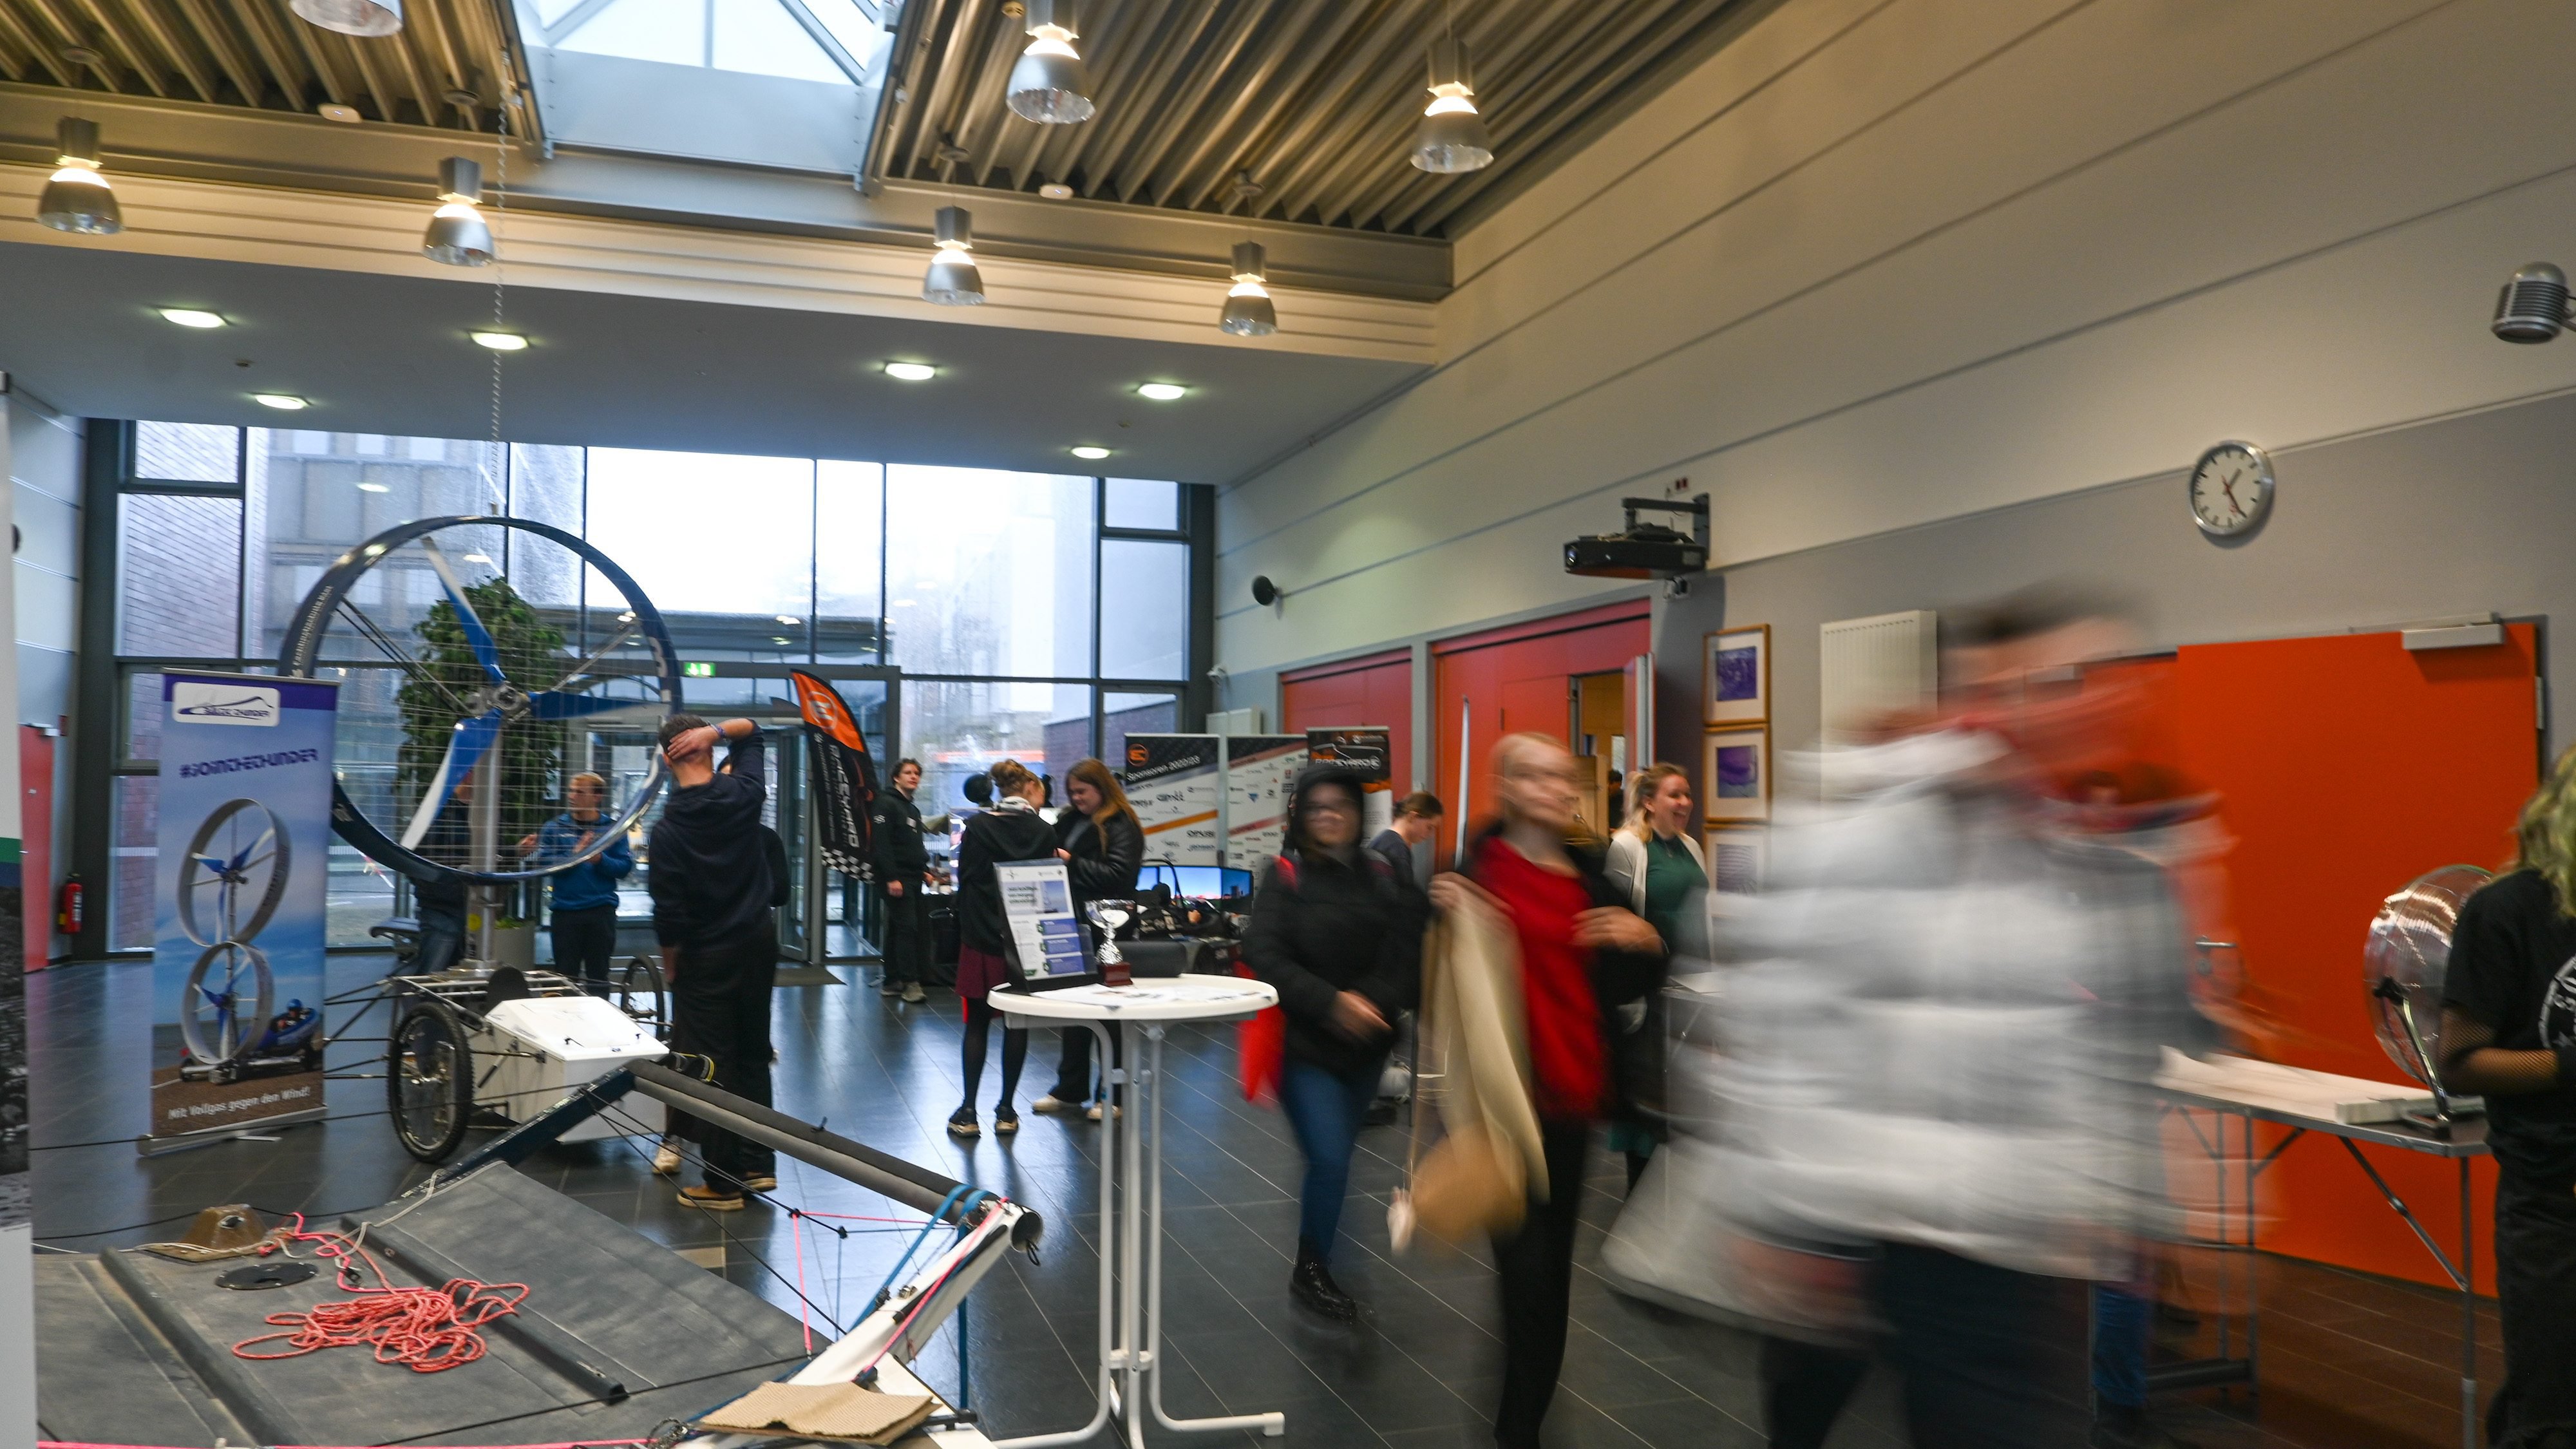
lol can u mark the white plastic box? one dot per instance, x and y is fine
(533, 1052)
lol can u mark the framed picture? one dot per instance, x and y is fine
(1735, 676)
(1735, 775)
(1739, 858)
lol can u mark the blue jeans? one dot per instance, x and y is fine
(2120, 1320)
(1325, 1111)
(442, 938)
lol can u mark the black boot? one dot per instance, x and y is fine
(1311, 1287)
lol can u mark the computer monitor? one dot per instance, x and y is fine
(1205, 882)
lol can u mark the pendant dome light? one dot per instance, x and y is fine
(352, 17)
(457, 233)
(1451, 137)
(1248, 312)
(77, 198)
(1048, 85)
(952, 280)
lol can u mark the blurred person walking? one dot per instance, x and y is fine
(1939, 1059)
(584, 922)
(1654, 861)
(1406, 841)
(2509, 1035)
(903, 875)
(1340, 935)
(1009, 830)
(1102, 845)
(711, 885)
(1584, 955)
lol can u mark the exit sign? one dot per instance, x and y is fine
(697, 669)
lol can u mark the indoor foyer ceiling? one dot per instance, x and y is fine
(1314, 100)
(257, 53)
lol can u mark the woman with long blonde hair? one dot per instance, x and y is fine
(1653, 858)
(2509, 1035)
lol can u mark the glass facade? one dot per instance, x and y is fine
(1034, 616)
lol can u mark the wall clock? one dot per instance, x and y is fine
(2231, 489)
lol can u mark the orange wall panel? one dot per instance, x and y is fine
(1376, 691)
(2346, 767)
(1516, 679)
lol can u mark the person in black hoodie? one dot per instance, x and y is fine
(710, 880)
(1101, 843)
(1012, 830)
(1341, 938)
(903, 873)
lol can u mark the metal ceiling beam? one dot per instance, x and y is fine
(122, 45)
(239, 146)
(1320, 46)
(1274, 161)
(209, 27)
(1176, 112)
(26, 38)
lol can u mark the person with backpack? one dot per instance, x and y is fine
(1341, 938)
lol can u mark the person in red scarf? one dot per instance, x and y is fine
(1584, 957)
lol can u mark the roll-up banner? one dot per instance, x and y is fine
(1173, 782)
(1370, 751)
(845, 781)
(1260, 770)
(245, 840)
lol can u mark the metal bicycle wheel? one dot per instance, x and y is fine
(636, 989)
(224, 1008)
(429, 1079)
(234, 873)
(573, 661)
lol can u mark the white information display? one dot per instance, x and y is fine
(1260, 771)
(1174, 784)
(1037, 900)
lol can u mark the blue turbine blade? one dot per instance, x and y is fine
(564, 704)
(465, 747)
(486, 653)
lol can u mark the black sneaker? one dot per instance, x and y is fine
(1311, 1287)
(1005, 1121)
(962, 1124)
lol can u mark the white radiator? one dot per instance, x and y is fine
(1872, 666)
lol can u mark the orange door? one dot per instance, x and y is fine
(1377, 690)
(1513, 679)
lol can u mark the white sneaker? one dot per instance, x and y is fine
(666, 1159)
(1051, 1104)
(1093, 1111)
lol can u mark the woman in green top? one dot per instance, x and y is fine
(1655, 860)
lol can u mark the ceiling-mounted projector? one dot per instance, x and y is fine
(1644, 550)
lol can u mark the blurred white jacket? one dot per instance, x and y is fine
(1946, 1023)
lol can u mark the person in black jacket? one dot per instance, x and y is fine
(903, 873)
(1101, 843)
(1012, 830)
(711, 884)
(1341, 938)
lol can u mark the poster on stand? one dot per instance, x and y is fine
(1172, 781)
(1370, 750)
(1260, 770)
(239, 902)
(1037, 901)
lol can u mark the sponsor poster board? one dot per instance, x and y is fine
(1260, 770)
(1369, 750)
(1173, 781)
(238, 898)
(1037, 901)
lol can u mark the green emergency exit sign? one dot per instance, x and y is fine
(697, 669)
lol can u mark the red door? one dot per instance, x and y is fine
(1377, 690)
(1515, 679)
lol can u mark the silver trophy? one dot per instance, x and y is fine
(1106, 918)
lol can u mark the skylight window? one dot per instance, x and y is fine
(834, 42)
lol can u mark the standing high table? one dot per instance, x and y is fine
(1131, 1219)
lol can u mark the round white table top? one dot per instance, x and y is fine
(1153, 998)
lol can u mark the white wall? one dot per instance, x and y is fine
(1880, 263)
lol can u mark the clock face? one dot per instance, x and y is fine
(2231, 489)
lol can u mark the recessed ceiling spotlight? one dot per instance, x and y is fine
(911, 371)
(373, 488)
(780, 639)
(1163, 391)
(501, 341)
(191, 317)
(285, 402)
(345, 115)
(1056, 191)
(1090, 454)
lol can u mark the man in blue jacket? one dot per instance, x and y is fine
(585, 897)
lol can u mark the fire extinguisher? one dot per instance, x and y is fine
(67, 916)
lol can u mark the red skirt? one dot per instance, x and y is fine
(978, 972)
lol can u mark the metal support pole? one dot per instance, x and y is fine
(483, 819)
(2468, 1317)
(1272, 1424)
(1106, 1372)
(1131, 1242)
